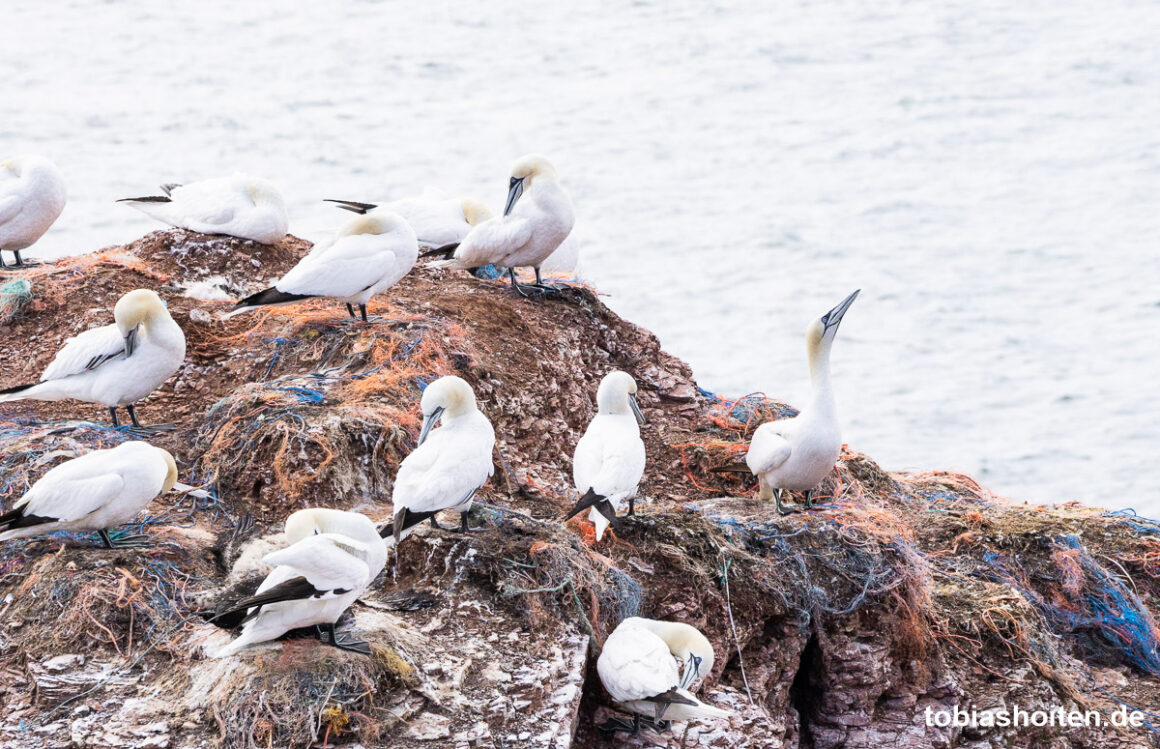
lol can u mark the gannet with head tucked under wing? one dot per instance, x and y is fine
(437, 217)
(237, 206)
(32, 195)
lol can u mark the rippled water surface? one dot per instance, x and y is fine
(987, 173)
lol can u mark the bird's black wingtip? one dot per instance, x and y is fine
(147, 199)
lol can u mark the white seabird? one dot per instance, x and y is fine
(366, 256)
(114, 365)
(237, 206)
(609, 459)
(536, 219)
(450, 464)
(796, 454)
(98, 491)
(32, 195)
(638, 668)
(332, 558)
(437, 217)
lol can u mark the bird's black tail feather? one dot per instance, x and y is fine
(446, 251)
(147, 199)
(352, 205)
(589, 499)
(404, 520)
(732, 468)
(16, 389)
(270, 296)
(13, 519)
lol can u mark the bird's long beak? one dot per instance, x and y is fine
(515, 190)
(429, 422)
(834, 316)
(636, 408)
(131, 341)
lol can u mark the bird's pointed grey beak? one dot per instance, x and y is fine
(515, 190)
(834, 316)
(131, 342)
(636, 408)
(428, 423)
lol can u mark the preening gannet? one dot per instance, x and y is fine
(331, 559)
(451, 462)
(638, 668)
(95, 492)
(796, 454)
(366, 256)
(536, 218)
(32, 195)
(238, 206)
(609, 459)
(438, 218)
(114, 365)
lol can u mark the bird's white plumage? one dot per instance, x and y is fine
(99, 490)
(797, 453)
(32, 196)
(538, 223)
(338, 553)
(637, 663)
(437, 217)
(94, 367)
(237, 206)
(353, 267)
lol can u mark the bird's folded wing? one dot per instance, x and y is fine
(644, 667)
(72, 498)
(350, 265)
(10, 202)
(86, 351)
(327, 560)
(492, 240)
(210, 203)
(767, 451)
(295, 589)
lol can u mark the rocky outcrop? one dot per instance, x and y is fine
(841, 627)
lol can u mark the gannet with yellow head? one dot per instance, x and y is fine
(366, 256)
(114, 365)
(98, 491)
(537, 218)
(796, 454)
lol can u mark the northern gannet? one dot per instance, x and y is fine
(366, 256)
(536, 218)
(438, 218)
(609, 459)
(237, 206)
(796, 454)
(638, 668)
(32, 195)
(114, 365)
(332, 557)
(451, 462)
(96, 492)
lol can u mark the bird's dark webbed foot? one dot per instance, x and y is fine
(435, 524)
(138, 426)
(20, 263)
(465, 525)
(809, 499)
(343, 640)
(781, 509)
(128, 541)
(618, 723)
(553, 288)
(524, 290)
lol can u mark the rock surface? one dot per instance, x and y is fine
(838, 627)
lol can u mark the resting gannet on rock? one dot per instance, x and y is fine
(95, 492)
(332, 558)
(366, 256)
(450, 464)
(638, 668)
(796, 454)
(536, 218)
(609, 459)
(237, 206)
(438, 218)
(32, 195)
(114, 365)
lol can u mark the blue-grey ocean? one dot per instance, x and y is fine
(987, 173)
